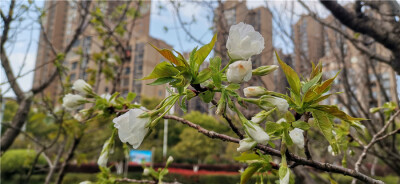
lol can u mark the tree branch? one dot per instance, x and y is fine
(273, 152)
(374, 140)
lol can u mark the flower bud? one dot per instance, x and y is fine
(261, 116)
(107, 97)
(239, 71)
(82, 87)
(102, 161)
(264, 70)
(111, 61)
(131, 128)
(286, 178)
(254, 91)
(220, 109)
(330, 150)
(146, 171)
(246, 144)
(72, 102)
(244, 42)
(85, 182)
(256, 132)
(297, 137)
(268, 102)
(169, 161)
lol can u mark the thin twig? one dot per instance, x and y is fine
(373, 141)
(290, 156)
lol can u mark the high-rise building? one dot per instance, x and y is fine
(370, 81)
(308, 44)
(54, 24)
(60, 23)
(363, 76)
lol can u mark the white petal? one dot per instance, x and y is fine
(132, 129)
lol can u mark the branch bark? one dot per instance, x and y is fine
(290, 156)
(381, 31)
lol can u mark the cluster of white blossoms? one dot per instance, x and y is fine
(243, 42)
(73, 101)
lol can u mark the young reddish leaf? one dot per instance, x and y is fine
(335, 111)
(291, 76)
(169, 56)
(316, 91)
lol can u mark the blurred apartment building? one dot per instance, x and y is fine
(60, 23)
(370, 82)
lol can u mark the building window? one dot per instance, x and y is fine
(106, 89)
(72, 77)
(160, 93)
(125, 81)
(230, 16)
(74, 65)
(127, 70)
(304, 37)
(125, 93)
(138, 67)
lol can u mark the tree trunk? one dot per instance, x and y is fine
(18, 121)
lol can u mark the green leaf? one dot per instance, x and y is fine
(183, 104)
(203, 52)
(315, 69)
(130, 97)
(318, 90)
(310, 83)
(215, 64)
(207, 96)
(249, 172)
(163, 69)
(272, 127)
(233, 87)
(203, 76)
(291, 76)
(301, 124)
(331, 180)
(169, 56)
(160, 81)
(325, 123)
(192, 62)
(286, 137)
(247, 156)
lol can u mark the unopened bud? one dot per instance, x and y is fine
(264, 70)
(254, 91)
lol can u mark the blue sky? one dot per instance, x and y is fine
(26, 41)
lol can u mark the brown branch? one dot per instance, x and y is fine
(373, 141)
(354, 41)
(381, 31)
(4, 58)
(273, 152)
(199, 89)
(306, 140)
(394, 132)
